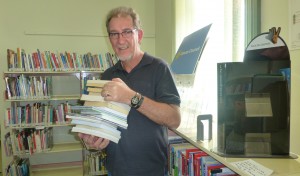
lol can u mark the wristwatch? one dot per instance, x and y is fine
(137, 100)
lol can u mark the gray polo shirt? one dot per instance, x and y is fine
(142, 149)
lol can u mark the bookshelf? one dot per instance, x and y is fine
(65, 143)
(36, 103)
(58, 142)
(94, 162)
(280, 166)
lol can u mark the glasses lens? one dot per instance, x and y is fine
(125, 34)
(113, 35)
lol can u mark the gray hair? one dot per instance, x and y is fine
(123, 12)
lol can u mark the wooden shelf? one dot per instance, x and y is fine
(57, 148)
(40, 126)
(65, 169)
(52, 98)
(66, 147)
(50, 73)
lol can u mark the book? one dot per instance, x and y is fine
(124, 110)
(102, 115)
(10, 59)
(96, 125)
(205, 160)
(94, 89)
(96, 131)
(190, 159)
(110, 128)
(174, 157)
(195, 158)
(213, 167)
(224, 171)
(19, 59)
(189, 52)
(98, 101)
(96, 83)
(86, 97)
(185, 167)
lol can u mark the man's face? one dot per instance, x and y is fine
(124, 37)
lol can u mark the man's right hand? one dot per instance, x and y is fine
(94, 141)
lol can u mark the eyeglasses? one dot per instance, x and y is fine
(125, 34)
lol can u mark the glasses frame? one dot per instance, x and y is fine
(125, 34)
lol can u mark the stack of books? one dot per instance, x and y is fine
(99, 117)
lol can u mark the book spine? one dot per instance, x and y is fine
(69, 60)
(31, 66)
(10, 59)
(19, 60)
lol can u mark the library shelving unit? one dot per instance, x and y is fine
(280, 166)
(94, 162)
(35, 127)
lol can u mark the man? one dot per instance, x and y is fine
(146, 84)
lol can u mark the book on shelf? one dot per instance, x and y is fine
(184, 160)
(205, 160)
(45, 61)
(212, 167)
(195, 162)
(96, 162)
(28, 87)
(174, 157)
(7, 144)
(19, 166)
(31, 140)
(189, 160)
(36, 114)
(224, 171)
(10, 59)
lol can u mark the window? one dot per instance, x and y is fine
(226, 44)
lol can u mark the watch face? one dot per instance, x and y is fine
(135, 100)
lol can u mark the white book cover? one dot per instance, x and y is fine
(108, 111)
(99, 118)
(96, 132)
(102, 125)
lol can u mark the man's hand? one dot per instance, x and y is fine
(116, 90)
(94, 141)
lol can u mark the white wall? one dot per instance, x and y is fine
(275, 13)
(165, 30)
